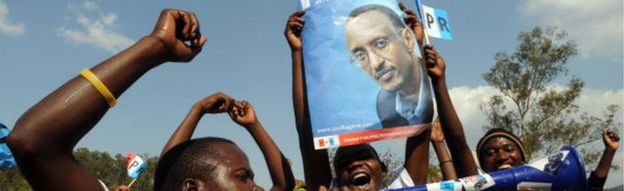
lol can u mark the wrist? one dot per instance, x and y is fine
(437, 142)
(438, 80)
(158, 46)
(447, 161)
(609, 150)
(253, 125)
(296, 51)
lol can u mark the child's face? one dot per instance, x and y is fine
(234, 173)
(362, 174)
(500, 153)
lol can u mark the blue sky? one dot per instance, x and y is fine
(246, 56)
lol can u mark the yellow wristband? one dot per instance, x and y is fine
(99, 86)
(449, 160)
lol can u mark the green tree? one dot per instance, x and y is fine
(111, 170)
(543, 115)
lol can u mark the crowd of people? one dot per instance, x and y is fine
(44, 137)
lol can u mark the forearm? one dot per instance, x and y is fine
(602, 170)
(298, 94)
(44, 137)
(184, 132)
(444, 160)
(315, 162)
(62, 118)
(279, 169)
(417, 157)
(453, 130)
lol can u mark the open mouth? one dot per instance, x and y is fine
(360, 179)
(504, 166)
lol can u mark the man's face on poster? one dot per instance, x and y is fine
(381, 49)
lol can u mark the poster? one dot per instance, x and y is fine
(364, 77)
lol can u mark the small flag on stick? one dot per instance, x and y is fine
(6, 158)
(135, 166)
(435, 22)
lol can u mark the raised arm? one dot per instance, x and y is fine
(417, 147)
(599, 176)
(244, 114)
(44, 136)
(412, 21)
(215, 103)
(444, 159)
(315, 162)
(451, 126)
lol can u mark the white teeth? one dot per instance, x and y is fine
(359, 175)
(505, 166)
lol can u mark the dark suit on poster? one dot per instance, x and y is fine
(390, 117)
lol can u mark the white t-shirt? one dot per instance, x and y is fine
(401, 180)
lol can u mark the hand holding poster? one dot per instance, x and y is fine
(364, 76)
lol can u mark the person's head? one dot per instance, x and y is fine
(204, 164)
(382, 46)
(500, 149)
(358, 167)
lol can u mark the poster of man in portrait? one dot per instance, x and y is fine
(364, 76)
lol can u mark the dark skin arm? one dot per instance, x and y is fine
(44, 136)
(315, 162)
(417, 147)
(215, 103)
(611, 142)
(452, 127)
(244, 114)
(444, 159)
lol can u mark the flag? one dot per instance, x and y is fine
(436, 23)
(135, 165)
(6, 158)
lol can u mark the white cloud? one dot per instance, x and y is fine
(8, 27)
(593, 101)
(95, 28)
(467, 101)
(596, 26)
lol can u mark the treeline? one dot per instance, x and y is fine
(110, 169)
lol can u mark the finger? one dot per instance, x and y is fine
(185, 21)
(196, 49)
(227, 104)
(402, 6)
(246, 105)
(232, 114)
(410, 21)
(295, 25)
(298, 13)
(408, 11)
(194, 34)
(300, 20)
(234, 111)
(613, 136)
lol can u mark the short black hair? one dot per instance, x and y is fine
(197, 158)
(396, 20)
(346, 155)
